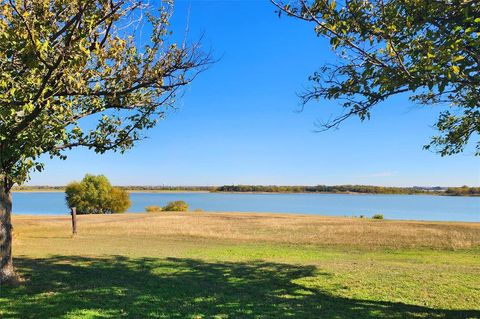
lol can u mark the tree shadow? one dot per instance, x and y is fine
(120, 287)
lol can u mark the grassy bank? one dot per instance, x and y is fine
(201, 265)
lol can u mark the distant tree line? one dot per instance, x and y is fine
(38, 188)
(361, 189)
(126, 188)
(463, 191)
(364, 189)
(170, 188)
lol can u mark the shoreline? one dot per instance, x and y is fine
(208, 214)
(129, 191)
(153, 191)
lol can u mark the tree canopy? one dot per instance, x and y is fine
(65, 61)
(76, 73)
(429, 49)
(95, 195)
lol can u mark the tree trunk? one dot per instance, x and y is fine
(7, 272)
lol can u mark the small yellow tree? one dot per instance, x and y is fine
(95, 195)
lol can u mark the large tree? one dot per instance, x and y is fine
(429, 49)
(81, 73)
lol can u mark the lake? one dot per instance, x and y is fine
(412, 207)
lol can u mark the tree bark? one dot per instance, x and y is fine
(7, 273)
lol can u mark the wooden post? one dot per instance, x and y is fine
(74, 220)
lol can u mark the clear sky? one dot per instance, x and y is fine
(238, 122)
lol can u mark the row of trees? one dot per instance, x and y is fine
(463, 191)
(126, 188)
(170, 188)
(364, 189)
(38, 188)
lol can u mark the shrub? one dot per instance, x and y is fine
(176, 206)
(119, 201)
(153, 209)
(198, 210)
(377, 216)
(95, 195)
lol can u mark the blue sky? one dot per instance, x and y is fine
(238, 122)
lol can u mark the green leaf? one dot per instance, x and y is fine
(333, 5)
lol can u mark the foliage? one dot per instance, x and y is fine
(176, 206)
(127, 188)
(95, 195)
(62, 61)
(428, 49)
(463, 191)
(364, 189)
(171, 188)
(119, 200)
(153, 209)
(377, 216)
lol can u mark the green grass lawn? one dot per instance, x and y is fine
(112, 271)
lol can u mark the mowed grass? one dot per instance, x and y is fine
(228, 265)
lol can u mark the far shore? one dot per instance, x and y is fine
(128, 190)
(160, 191)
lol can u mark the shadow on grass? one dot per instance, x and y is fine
(119, 287)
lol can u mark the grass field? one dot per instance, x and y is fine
(212, 265)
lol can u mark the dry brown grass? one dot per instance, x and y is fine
(245, 227)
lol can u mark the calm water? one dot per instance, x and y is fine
(415, 207)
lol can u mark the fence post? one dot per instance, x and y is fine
(74, 220)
